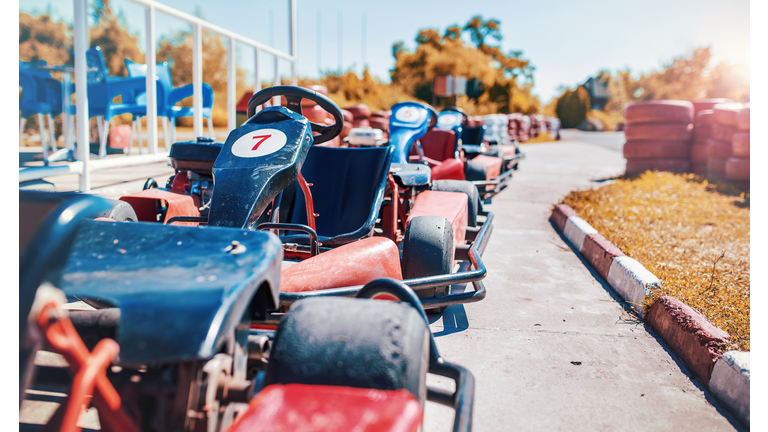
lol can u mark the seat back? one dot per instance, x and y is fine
(347, 190)
(473, 135)
(438, 144)
(98, 95)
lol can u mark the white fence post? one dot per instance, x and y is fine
(294, 42)
(197, 78)
(276, 82)
(231, 86)
(81, 90)
(151, 85)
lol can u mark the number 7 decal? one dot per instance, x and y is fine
(261, 141)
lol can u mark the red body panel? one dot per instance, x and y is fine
(300, 408)
(354, 264)
(509, 150)
(144, 203)
(450, 205)
(492, 164)
(449, 169)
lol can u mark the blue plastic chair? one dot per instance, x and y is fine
(41, 95)
(102, 89)
(170, 111)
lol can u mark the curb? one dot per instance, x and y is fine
(691, 336)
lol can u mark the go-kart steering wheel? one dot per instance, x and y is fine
(457, 110)
(293, 95)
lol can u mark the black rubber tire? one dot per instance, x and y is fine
(359, 343)
(149, 184)
(428, 251)
(473, 197)
(475, 170)
(121, 212)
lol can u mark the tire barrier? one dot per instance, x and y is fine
(665, 111)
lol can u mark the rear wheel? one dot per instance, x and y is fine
(428, 251)
(359, 343)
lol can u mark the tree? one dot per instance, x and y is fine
(448, 54)
(572, 107)
(115, 40)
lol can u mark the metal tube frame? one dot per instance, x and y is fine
(474, 276)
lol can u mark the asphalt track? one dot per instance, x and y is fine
(551, 346)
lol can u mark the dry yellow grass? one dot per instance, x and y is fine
(692, 237)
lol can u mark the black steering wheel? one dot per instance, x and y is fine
(457, 110)
(293, 95)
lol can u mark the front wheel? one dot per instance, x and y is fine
(428, 251)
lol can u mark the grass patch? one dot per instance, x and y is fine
(543, 137)
(693, 235)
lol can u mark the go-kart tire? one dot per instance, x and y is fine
(707, 104)
(667, 111)
(475, 170)
(121, 212)
(338, 341)
(428, 251)
(742, 119)
(740, 146)
(705, 118)
(659, 132)
(473, 197)
(727, 113)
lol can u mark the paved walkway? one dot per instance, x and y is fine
(550, 346)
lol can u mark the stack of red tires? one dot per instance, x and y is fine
(737, 167)
(659, 135)
(380, 120)
(720, 143)
(361, 115)
(513, 127)
(702, 132)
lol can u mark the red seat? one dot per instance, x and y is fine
(439, 144)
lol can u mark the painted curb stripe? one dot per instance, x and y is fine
(631, 281)
(576, 229)
(695, 339)
(730, 383)
(730, 377)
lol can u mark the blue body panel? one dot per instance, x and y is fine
(409, 122)
(244, 186)
(411, 174)
(180, 294)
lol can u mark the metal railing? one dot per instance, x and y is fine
(80, 34)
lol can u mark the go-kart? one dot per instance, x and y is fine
(181, 345)
(487, 165)
(356, 212)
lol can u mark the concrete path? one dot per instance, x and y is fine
(611, 140)
(551, 346)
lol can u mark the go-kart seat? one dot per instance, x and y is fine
(347, 191)
(195, 156)
(439, 148)
(473, 135)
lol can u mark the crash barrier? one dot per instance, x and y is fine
(708, 137)
(82, 165)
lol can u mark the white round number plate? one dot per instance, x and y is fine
(259, 143)
(410, 114)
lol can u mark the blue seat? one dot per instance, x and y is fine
(169, 110)
(347, 191)
(473, 135)
(102, 89)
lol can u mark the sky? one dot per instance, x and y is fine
(566, 41)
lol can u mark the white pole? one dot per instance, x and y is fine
(81, 89)
(151, 86)
(197, 78)
(276, 82)
(231, 86)
(257, 85)
(294, 41)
